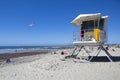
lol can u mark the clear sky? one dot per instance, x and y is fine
(47, 22)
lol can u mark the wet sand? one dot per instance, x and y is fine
(16, 55)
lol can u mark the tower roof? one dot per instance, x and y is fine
(87, 17)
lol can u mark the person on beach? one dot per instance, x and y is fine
(62, 53)
(82, 34)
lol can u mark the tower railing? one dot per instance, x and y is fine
(83, 35)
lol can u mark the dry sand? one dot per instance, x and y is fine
(50, 67)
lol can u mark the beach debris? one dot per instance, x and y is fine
(8, 60)
(107, 48)
(113, 49)
(53, 52)
(63, 58)
(81, 60)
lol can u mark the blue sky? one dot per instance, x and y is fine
(51, 20)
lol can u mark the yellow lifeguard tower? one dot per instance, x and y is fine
(92, 32)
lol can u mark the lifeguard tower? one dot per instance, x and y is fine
(92, 32)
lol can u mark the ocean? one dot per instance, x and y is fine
(20, 49)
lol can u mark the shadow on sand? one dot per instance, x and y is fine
(105, 59)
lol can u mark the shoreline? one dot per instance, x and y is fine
(20, 58)
(5, 56)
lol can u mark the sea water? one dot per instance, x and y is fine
(20, 49)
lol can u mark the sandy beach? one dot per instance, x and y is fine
(50, 67)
